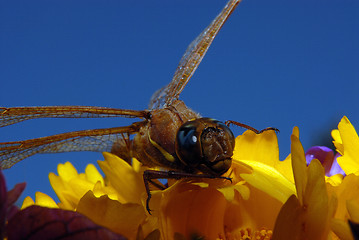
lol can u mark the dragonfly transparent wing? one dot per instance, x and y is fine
(190, 60)
(14, 115)
(96, 140)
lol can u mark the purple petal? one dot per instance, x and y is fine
(15, 193)
(324, 154)
(3, 205)
(335, 169)
(37, 222)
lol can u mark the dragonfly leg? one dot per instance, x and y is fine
(228, 122)
(149, 175)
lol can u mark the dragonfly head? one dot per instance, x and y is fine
(205, 145)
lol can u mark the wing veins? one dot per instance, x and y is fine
(87, 140)
(9, 116)
(191, 59)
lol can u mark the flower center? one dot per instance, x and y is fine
(248, 234)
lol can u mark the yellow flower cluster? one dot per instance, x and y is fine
(267, 198)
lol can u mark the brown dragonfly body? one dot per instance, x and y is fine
(177, 138)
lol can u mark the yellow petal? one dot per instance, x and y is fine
(337, 141)
(136, 165)
(285, 168)
(334, 180)
(295, 131)
(269, 180)
(290, 221)
(44, 200)
(127, 182)
(189, 209)
(347, 190)
(93, 175)
(299, 165)
(100, 190)
(230, 191)
(120, 218)
(70, 199)
(79, 187)
(58, 185)
(257, 212)
(341, 229)
(349, 162)
(27, 202)
(261, 147)
(353, 209)
(66, 171)
(316, 202)
(62, 191)
(309, 219)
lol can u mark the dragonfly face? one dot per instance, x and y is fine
(205, 144)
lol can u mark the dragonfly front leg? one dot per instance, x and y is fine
(229, 122)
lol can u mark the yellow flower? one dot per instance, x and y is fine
(213, 208)
(266, 196)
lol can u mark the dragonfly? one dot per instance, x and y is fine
(168, 135)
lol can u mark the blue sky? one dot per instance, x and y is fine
(274, 63)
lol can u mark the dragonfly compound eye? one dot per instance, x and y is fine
(188, 146)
